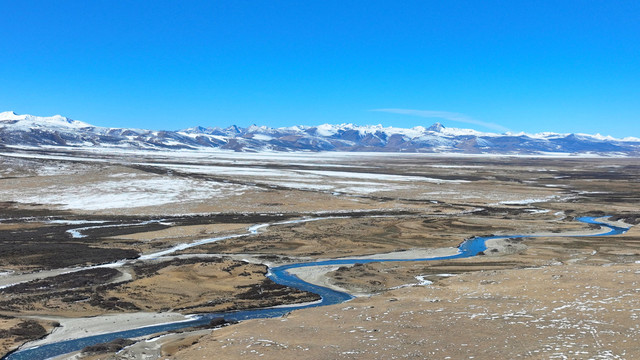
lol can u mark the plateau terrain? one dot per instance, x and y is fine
(322, 180)
(121, 253)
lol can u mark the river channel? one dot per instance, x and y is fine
(280, 275)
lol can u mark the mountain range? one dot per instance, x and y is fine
(29, 130)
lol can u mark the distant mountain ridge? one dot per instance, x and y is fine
(29, 130)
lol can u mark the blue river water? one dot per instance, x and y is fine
(468, 248)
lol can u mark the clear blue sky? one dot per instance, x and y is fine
(564, 66)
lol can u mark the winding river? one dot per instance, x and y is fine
(280, 275)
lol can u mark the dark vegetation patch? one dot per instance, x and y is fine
(24, 331)
(79, 279)
(18, 212)
(633, 219)
(112, 303)
(503, 211)
(19, 302)
(53, 254)
(613, 197)
(106, 348)
(50, 246)
(151, 268)
(125, 229)
(269, 289)
(216, 322)
(92, 294)
(233, 265)
(274, 258)
(265, 294)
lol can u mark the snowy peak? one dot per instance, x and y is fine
(437, 127)
(364, 130)
(8, 115)
(41, 121)
(29, 130)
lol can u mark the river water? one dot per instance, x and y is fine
(468, 248)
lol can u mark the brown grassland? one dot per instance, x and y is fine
(551, 296)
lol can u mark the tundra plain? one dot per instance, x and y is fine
(95, 241)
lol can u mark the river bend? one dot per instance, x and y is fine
(280, 275)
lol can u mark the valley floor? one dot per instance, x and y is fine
(176, 235)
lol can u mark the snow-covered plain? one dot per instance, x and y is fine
(68, 179)
(123, 193)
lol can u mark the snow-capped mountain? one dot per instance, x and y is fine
(28, 130)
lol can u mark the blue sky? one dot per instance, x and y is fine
(563, 66)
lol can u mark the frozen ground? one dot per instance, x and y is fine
(122, 191)
(92, 180)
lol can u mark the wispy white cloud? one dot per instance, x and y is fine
(447, 115)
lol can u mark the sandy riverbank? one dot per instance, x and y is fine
(73, 328)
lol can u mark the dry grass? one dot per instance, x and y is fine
(541, 298)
